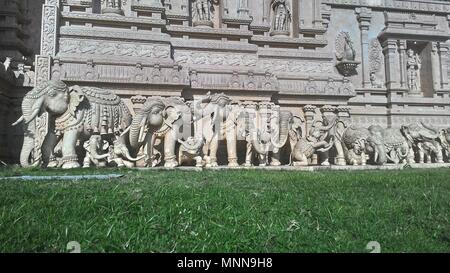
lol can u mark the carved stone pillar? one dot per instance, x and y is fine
(435, 66)
(364, 16)
(402, 52)
(343, 113)
(309, 111)
(50, 12)
(392, 63)
(443, 60)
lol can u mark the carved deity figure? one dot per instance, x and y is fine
(113, 4)
(203, 10)
(282, 15)
(413, 65)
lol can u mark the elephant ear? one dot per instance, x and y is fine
(172, 115)
(76, 97)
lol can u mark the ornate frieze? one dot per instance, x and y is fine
(110, 48)
(210, 58)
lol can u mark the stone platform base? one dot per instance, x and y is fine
(313, 168)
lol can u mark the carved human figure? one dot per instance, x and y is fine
(282, 15)
(203, 10)
(413, 64)
(374, 81)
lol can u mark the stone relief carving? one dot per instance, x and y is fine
(375, 63)
(206, 58)
(57, 119)
(281, 17)
(413, 65)
(345, 54)
(71, 46)
(203, 12)
(113, 6)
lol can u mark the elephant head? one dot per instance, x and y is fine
(362, 140)
(281, 126)
(53, 98)
(149, 118)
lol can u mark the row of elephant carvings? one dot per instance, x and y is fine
(70, 127)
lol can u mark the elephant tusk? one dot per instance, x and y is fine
(18, 121)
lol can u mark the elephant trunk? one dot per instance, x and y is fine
(380, 157)
(136, 131)
(285, 119)
(30, 110)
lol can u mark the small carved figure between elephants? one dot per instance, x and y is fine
(191, 150)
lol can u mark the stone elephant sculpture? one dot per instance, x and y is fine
(54, 113)
(359, 142)
(215, 119)
(425, 141)
(165, 119)
(396, 145)
(283, 128)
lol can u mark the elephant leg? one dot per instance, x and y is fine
(214, 145)
(410, 158)
(70, 158)
(302, 160)
(439, 155)
(231, 147)
(421, 154)
(248, 155)
(340, 156)
(324, 158)
(363, 159)
(48, 150)
(169, 149)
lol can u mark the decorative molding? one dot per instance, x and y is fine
(42, 69)
(124, 35)
(49, 29)
(394, 5)
(109, 48)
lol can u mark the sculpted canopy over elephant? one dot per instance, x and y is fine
(52, 112)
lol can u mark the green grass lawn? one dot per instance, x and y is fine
(228, 211)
